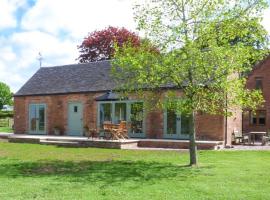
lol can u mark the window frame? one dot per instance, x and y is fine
(128, 113)
(251, 117)
(261, 85)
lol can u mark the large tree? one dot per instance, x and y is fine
(5, 95)
(99, 45)
(206, 46)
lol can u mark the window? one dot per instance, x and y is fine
(258, 118)
(136, 117)
(105, 113)
(258, 83)
(120, 113)
(123, 111)
(75, 109)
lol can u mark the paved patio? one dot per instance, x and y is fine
(123, 144)
(142, 144)
(256, 147)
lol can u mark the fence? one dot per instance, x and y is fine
(6, 122)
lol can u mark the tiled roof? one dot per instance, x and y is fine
(89, 77)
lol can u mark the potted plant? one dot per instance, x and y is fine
(56, 130)
(86, 130)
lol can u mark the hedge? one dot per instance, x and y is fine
(5, 114)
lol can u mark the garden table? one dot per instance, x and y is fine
(252, 135)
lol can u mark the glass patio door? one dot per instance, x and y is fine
(118, 111)
(136, 119)
(176, 126)
(37, 119)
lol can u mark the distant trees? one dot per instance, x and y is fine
(99, 45)
(5, 95)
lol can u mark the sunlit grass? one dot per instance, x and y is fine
(29, 171)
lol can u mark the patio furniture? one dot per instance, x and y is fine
(93, 133)
(238, 136)
(110, 130)
(122, 131)
(265, 139)
(253, 134)
(115, 131)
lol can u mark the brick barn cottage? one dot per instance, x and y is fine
(73, 96)
(259, 79)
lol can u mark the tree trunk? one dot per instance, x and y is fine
(192, 142)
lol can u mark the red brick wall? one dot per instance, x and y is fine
(209, 127)
(234, 123)
(56, 113)
(154, 125)
(262, 71)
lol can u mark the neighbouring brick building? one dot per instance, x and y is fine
(73, 96)
(259, 78)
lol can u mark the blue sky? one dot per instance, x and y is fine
(54, 28)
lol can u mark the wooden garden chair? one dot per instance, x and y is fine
(265, 138)
(107, 128)
(122, 130)
(240, 137)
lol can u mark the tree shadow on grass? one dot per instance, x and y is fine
(102, 172)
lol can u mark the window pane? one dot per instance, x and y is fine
(75, 109)
(258, 83)
(120, 112)
(171, 122)
(253, 118)
(185, 124)
(105, 113)
(262, 116)
(41, 116)
(32, 116)
(136, 117)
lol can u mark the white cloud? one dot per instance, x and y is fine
(7, 12)
(55, 28)
(7, 18)
(79, 17)
(53, 49)
(265, 20)
(19, 52)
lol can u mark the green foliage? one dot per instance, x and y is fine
(5, 95)
(6, 129)
(205, 49)
(29, 171)
(6, 114)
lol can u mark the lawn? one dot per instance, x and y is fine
(6, 130)
(29, 171)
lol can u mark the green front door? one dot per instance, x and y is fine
(37, 119)
(176, 126)
(75, 119)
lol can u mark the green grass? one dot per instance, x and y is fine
(6, 130)
(29, 171)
